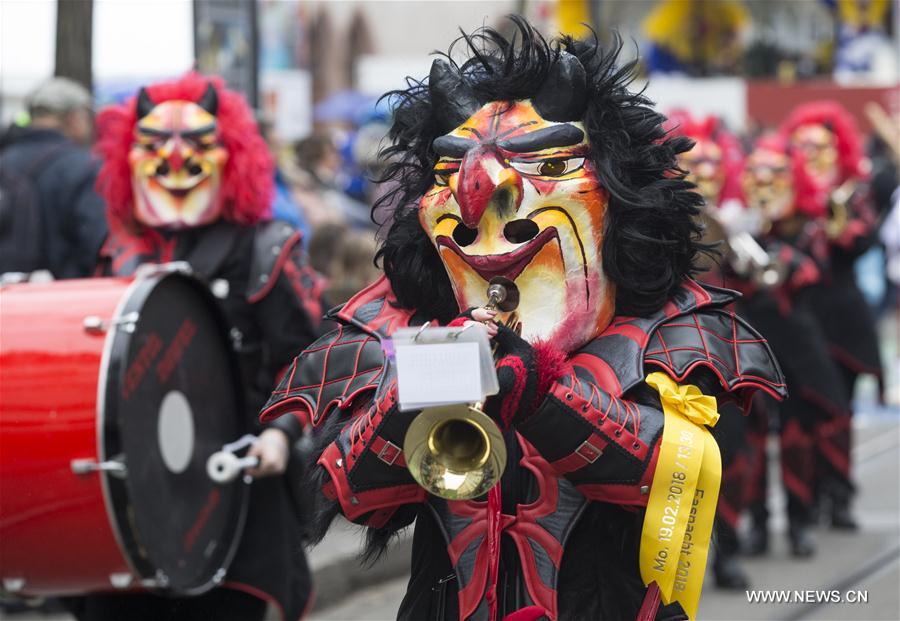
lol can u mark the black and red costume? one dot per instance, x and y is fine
(841, 204)
(558, 537)
(783, 315)
(580, 464)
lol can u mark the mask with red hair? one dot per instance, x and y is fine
(768, 181)
(714, 164)
(183, 154)
(825, 143)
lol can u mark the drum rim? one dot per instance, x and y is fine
(115, 493)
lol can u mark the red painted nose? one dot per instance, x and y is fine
(175, 158)
(484, 180)
(176, 161)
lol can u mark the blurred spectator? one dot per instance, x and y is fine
(346, 258)
(890, 237)
(51, 155)
(284, 207)
(316, 188)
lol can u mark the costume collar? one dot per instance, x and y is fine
(374, 310)
(616, 356)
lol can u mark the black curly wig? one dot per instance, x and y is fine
(652, 239)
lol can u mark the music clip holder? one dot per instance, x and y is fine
(442, 365)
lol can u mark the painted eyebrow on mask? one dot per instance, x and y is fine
(562, 135)
(452, 146)
(149, 131)
(200, 131)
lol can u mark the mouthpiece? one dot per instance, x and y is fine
(503, 294)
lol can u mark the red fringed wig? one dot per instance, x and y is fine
(711, 128)
(247, 180)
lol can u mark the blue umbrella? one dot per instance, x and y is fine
(344, 105)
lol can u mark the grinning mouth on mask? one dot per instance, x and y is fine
(509, 264)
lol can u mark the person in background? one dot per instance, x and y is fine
(346, 258)
(319, 163)
(776, 299)
(188, 178)
(51, 156)
(284, 207)
(837, 192)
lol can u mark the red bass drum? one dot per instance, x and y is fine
(114, 394)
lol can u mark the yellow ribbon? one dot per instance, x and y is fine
(682, 503)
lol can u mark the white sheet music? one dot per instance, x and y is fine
(440, 366)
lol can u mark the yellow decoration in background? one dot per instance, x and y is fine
(695, 30)
(874, 16)
(683, 497)
(573, 17)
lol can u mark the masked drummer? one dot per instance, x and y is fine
(532, 161)
(187, 177)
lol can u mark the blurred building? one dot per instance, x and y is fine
(703, 54)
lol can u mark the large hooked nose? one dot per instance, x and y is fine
(484, 181)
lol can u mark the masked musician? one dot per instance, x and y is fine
(187, 177)
(714, 165)
(533, 161)
(777, 301)
(833, 190)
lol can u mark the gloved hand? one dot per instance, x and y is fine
(517, 374)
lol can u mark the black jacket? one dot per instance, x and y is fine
(72, 213)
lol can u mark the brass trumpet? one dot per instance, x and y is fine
(456, 451)
(745, 255)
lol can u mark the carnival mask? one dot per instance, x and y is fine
(705, 169)
(818, 147)
(515, 194)
(176, 162)
(768, 184)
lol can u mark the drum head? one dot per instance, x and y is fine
(172, 399)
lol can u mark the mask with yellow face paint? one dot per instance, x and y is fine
(177, 161)
(705, 169)
(516, 195)
(767, 181)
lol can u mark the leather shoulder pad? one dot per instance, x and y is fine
(335, 369)
(274, 243)
(722, 342)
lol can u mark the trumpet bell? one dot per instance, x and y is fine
(455, 451)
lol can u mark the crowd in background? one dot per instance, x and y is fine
(325, 187)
